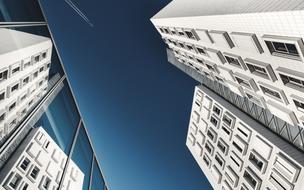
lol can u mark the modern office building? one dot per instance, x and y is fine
(251, 54)
(43, 141)
(24, 74)
(38, 163)
(236, 152)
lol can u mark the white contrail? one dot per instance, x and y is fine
(75, 8)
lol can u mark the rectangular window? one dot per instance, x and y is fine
(201, 50)
(271, 93)
(2, 95)
(15, 70)
(206, 160)
(3, 75)
(243, 82)
(15, 87)
(12, 106)
(299, 105)
(2, 117)
(26, 64)
(25, 164)
(226, 130)
(282, 48)
(191, 34)
(35, 172)
(251, 179)
(35, 75)
(228, 119)
(26, 80)
(209, 147)
(211, 134)
(291, 80)
(219, 160)
(236, 160)
(217, 110)
(41, 69)
(46, 183)
(232, 61)
(214, 121)
(15, 181)
(36, 58)
(256, 160)
(257, 69)
(223, 147)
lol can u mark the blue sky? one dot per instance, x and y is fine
(135, 105)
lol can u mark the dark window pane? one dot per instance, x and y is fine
(20, 11)
(97, 179)
(292, 49)
(279, 47)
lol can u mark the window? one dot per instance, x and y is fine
(201, 50)
(292, 81)
(209, 147)
(282, 48)
(226, 130)
(25, 186)
(12, 106)
(43, 55)
(181, 44)
(26, 80)
(217, 110)
(25, 164)
(199, 60)
(48, 65)
(35, 172)
(2, 117)
(251, 178)
(299, 105)
(15, 87)
(232, 61)
(35, 74)
(15, 181)
(206, 160)
(256, 161)
(214, 121)
(270, 92)
(256, 69)
(219, 160)
(237, 147)
(223, 147)
(236, 160)
(36, 58)
(211, 134)
(15, 70)
(191, 34)
(243, 82)
(41, 69)
(26, 64)
(3, 75)
(2, 95)
(46, 183)
(228, 119)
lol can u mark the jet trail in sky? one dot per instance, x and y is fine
(83, 16)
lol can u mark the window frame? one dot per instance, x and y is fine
(264, 86)
(270, 75)
(240, 63)
(296, 41)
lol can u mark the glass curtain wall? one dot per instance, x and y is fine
(43, 142)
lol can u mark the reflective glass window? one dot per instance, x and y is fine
(97, 179)
(20, 11)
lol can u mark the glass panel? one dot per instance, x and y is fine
(97, 179)
(60, 119)
(81, 161)
(20, 11)
(279, 46)
(27, 54)
(292, 49)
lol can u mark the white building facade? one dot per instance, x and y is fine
(254, 47)
(38, 163)
(25, 61)
(236, 152)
